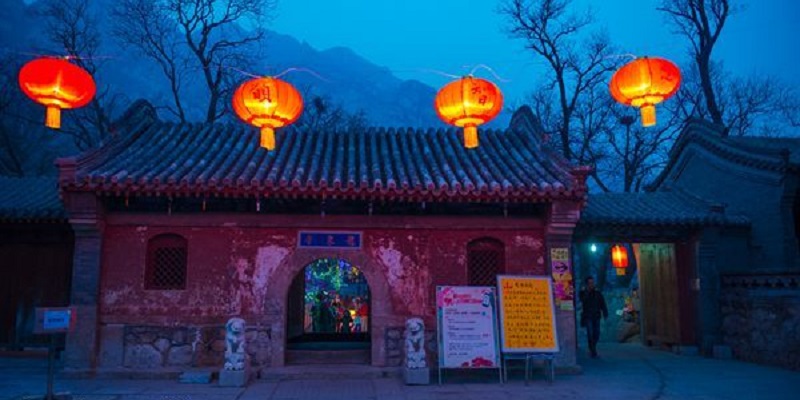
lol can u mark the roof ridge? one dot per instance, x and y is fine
(659, 208)
(115, 145)
(748, 146)
(707, 135)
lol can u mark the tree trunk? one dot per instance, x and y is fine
(101, 123)
(704, 65)
(211, 114)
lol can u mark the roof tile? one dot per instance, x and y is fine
(664, 208)
(30, 198)
(148, 155)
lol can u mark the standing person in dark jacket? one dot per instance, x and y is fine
(593, 306)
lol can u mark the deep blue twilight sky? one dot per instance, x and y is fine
(408, 35)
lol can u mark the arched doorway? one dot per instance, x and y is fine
(328, 314)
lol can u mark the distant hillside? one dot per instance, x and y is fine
(355, 82)
(350, 80)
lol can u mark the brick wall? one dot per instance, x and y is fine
(761, 318)
(234, 260)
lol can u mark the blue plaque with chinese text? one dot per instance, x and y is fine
(329, 240)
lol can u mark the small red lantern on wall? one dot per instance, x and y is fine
(619, 258)
(57, 84)
(469, 102)
(267, 103)
(645, 82)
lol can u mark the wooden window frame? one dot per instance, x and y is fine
(481, 249)
(159, 244)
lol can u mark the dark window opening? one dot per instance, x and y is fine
(485, 260)
(166, 263)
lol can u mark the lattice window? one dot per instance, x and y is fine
(485, 259)
(166, 263)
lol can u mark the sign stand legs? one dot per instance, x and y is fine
(52, 321)
(51, 355)
(527, 368)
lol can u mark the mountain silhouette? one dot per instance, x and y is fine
(344, 77)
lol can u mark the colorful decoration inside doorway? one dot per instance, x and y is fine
(336, 298)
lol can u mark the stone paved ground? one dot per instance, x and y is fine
(623, 372)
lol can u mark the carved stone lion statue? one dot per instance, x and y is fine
(235, 355)
(415, 343)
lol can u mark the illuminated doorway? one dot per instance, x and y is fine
(328, 314)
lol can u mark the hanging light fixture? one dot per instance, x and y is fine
(267, 103)
(645, 82)
(469, 102)
(619, 258)
(57, 84)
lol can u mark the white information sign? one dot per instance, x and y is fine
(467, 327)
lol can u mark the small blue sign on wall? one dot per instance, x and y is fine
(329, 240)
(54, 319)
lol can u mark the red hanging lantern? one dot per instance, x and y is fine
(57, 84)
(469, 102)
(268, 103)
(645, 82)
(619, 258)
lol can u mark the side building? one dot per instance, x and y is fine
(716, 243)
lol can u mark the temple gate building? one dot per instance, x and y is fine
(179, 227)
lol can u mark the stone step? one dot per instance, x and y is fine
(328, 372)
(348, 356)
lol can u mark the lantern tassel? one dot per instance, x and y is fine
(52, 117)
(470, 136)
(268, 137)
(648, 115)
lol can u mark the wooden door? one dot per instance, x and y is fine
(659, 292)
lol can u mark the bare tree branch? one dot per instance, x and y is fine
(146, 26)
(552, 34)
(574, 103)
(73, 26)
(701, 22)
(323, 114)
(195, 36)
(212, 35)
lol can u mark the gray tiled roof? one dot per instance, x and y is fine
(781, 155)
(151, 156)
(665, 208)
(790, 145)
(30, 199)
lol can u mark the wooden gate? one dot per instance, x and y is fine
(35, 271)
(659, 292)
